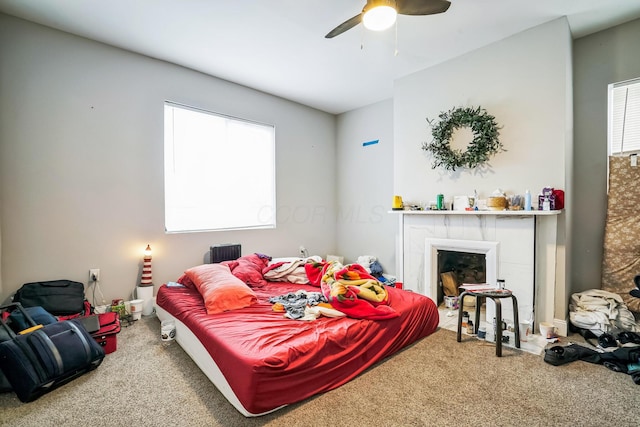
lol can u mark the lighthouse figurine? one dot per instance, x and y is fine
(145, 290)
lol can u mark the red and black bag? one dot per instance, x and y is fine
(107, 336)
(103, 328)
(66, 300)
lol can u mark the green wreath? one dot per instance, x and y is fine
(485, 141)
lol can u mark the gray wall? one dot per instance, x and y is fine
(525, 82)
(574, 107)
(609, 56)
(522, 81)
(365, 189)
(81, 163)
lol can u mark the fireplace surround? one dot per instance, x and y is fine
(520, 247)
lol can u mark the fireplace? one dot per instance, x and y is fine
(456, 268)
(441, 251)
(519, 247)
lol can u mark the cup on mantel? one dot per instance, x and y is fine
(397, 203)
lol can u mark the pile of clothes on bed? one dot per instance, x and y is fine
(345, 290)
(352, 290)
(290, 270)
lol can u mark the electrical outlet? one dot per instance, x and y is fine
(94, 275)
(303, 251)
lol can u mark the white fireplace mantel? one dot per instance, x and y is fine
(481, 213)
(526, 252)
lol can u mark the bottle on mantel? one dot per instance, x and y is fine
(527, 200)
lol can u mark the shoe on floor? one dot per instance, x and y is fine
(559, 355)
(628, 339)
(607, 342)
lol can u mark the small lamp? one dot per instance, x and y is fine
(380, 15)
(145, 290)
(145, 280)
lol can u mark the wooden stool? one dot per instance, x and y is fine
(496, 296)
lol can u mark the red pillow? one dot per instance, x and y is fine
(249, 269)
(220, 289)
(184, 280)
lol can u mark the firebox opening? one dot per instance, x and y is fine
(456, 268)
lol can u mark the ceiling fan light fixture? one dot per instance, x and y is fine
(380, 16)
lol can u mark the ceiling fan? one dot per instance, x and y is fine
(379, 15)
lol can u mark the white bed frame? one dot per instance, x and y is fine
(199, 354)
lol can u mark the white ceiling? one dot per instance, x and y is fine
(278, 46)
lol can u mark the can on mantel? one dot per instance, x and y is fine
(440, 202)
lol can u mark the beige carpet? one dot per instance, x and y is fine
(437, 381)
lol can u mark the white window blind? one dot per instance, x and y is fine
(219, 171)
(624, 117)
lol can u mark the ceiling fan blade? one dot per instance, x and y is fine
(422, 7)
(346, 25)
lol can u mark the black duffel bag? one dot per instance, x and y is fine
(58, 297)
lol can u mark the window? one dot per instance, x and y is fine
(219, 171)
(624, 117)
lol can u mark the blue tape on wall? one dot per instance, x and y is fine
(364, 144)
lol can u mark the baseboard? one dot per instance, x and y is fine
(562, 327)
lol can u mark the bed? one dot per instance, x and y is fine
(261, 360)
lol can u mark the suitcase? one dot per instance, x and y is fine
(42, 358)
(103, 327)
(107, 336)
(58, 297)
(17, 322)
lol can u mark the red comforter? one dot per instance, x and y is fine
(270, 361)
